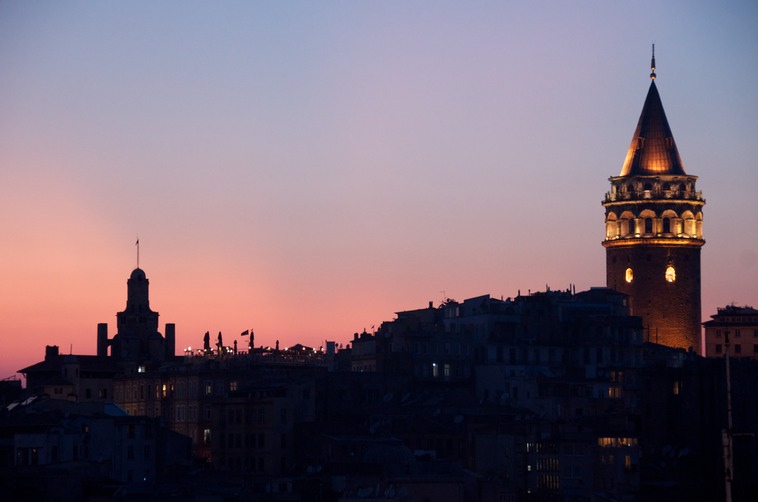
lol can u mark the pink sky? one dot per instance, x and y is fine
(307, 169)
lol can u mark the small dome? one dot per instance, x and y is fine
(137, 274)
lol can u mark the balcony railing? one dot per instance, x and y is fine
(654, 195)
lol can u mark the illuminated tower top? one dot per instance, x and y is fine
(653, 149)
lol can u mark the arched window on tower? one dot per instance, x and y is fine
(631, 226)
(670, 274)
(666, 225)
(648, 225)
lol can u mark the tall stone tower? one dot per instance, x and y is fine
(654, 231)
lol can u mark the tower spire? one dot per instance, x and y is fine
(652, 65)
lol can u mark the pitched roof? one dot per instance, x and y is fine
(653, 150)
(87, 363)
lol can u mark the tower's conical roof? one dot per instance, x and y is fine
(653, 150)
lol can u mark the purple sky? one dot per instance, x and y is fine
(309, 168)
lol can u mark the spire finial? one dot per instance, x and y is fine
(652, 65)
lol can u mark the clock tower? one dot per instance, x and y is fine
(654, 231)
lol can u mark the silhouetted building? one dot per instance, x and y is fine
(191, 396)
(653, 232)
(732, 330)
(536, 394)
(60, 450)
(138, 339)
(72, 377)
(137, 346)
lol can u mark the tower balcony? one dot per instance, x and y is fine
(654, 194)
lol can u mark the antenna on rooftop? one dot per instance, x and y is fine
(137, 244)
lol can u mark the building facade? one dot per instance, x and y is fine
(732, 330)
(654, 232)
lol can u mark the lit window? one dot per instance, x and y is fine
(629, 275)
(670, 274)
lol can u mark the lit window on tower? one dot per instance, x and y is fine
(670, 274)
(629, 275)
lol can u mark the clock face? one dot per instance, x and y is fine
(629, 277)
(670, 274)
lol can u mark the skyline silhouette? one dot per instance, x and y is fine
(308, 170)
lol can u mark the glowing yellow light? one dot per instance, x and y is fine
(670, 274)
(629, 275)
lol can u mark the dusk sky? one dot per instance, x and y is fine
(307, 169)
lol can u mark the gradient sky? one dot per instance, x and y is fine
(309, 168)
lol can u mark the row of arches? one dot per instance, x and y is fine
(649, 224)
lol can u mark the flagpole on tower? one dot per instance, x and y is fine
(137, 244)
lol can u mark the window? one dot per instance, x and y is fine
(648, 225)
(718, 348)
(738, 349)
(631, 226)
(629, 275)
(670, 274)
(666, 225)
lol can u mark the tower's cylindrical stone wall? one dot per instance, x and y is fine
(669, 306)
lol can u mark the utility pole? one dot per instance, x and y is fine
(727, 434)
